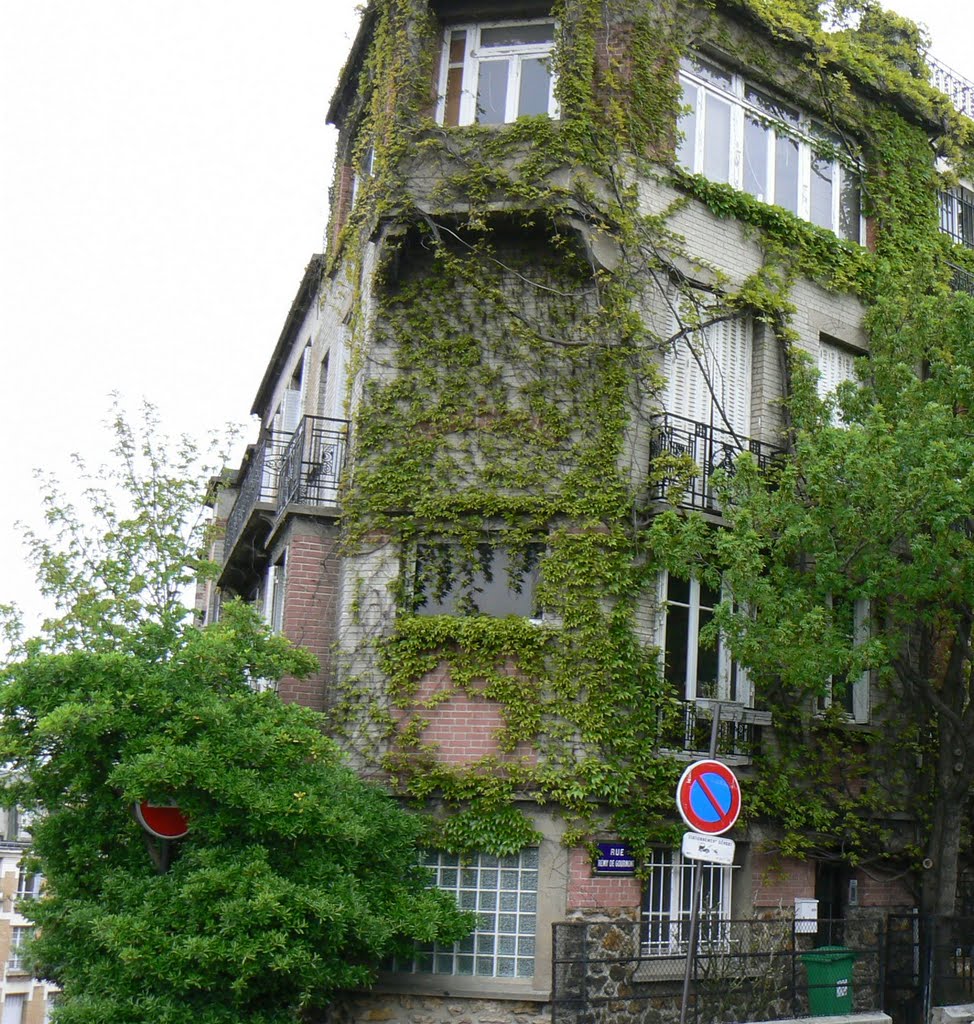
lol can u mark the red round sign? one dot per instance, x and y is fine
(708, 797)
(164, 821)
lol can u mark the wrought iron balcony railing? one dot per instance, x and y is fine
(958, 88)
(738, 731)
(962, 280)
(711, 448)
(312, 463)
(286, 468)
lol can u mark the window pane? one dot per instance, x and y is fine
(517, 35)
(821, 200)
(772, 108)
(756, 159)
(717, 140)
(786, 173)
(707, 660)
(492, 91)
(677, 627)
(687, 127)
(454, 86)
(708, 72)
(850, 207)
(535, 86)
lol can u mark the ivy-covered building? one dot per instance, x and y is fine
(581, 255)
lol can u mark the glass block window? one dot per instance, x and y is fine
(503, 892)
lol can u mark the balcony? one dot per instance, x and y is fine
(958, 89)
(711, 448)
(961, 280)
(738, 731)
(284, 469)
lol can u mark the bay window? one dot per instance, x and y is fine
(736, 133)
(495, 73)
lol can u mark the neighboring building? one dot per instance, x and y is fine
(23, 999)
(517, 344)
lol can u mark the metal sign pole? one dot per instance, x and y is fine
(697, 869)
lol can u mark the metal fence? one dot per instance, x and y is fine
(283, 468)
(754, 970)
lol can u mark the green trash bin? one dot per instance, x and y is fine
(829, 980)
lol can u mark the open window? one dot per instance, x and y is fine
(492, 579)
(697, 669)
(851, 618)
(496, 72)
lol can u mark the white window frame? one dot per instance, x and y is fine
(475, 54)
(726, 666)
(28, 884)
(19, 934)
(668, 898)
(274, 594)
(859, 712)
(14, 1008)
(503, 892)
(812, 139)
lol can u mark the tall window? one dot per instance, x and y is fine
(503, 892)
(28, 884)
(274, 595)
(14, 1008)
(697, 670)
(669, 898)
(957, 215)
(493, 581)
(851, 619)
(495, 73)
(737, 133)
(708, 376)
(18, 938)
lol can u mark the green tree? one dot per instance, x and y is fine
(123, 544)
(297, 878)
(875, 505)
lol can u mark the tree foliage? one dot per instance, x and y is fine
(297, 878)
(876, 505)
(121, 543)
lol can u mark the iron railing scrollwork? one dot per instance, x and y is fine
(284, 468)
(710, 448)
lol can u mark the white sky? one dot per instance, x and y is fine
(164, 169)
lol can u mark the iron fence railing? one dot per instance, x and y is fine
(738, 730)
(961, 280)
(710, 448)
(312, 462)
(285, 467)
(956, 86)
(750, 970)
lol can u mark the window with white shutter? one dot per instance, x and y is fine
(709, 376)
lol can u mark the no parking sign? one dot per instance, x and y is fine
(708, 797)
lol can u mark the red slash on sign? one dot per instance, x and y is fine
(708, 797)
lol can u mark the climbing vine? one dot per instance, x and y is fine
(506, 366)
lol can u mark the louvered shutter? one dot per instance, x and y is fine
(835, 365)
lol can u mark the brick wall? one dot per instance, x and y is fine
(310, 607)
(598, 892)
(463, 726)
(778, 880)
(884, 892)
